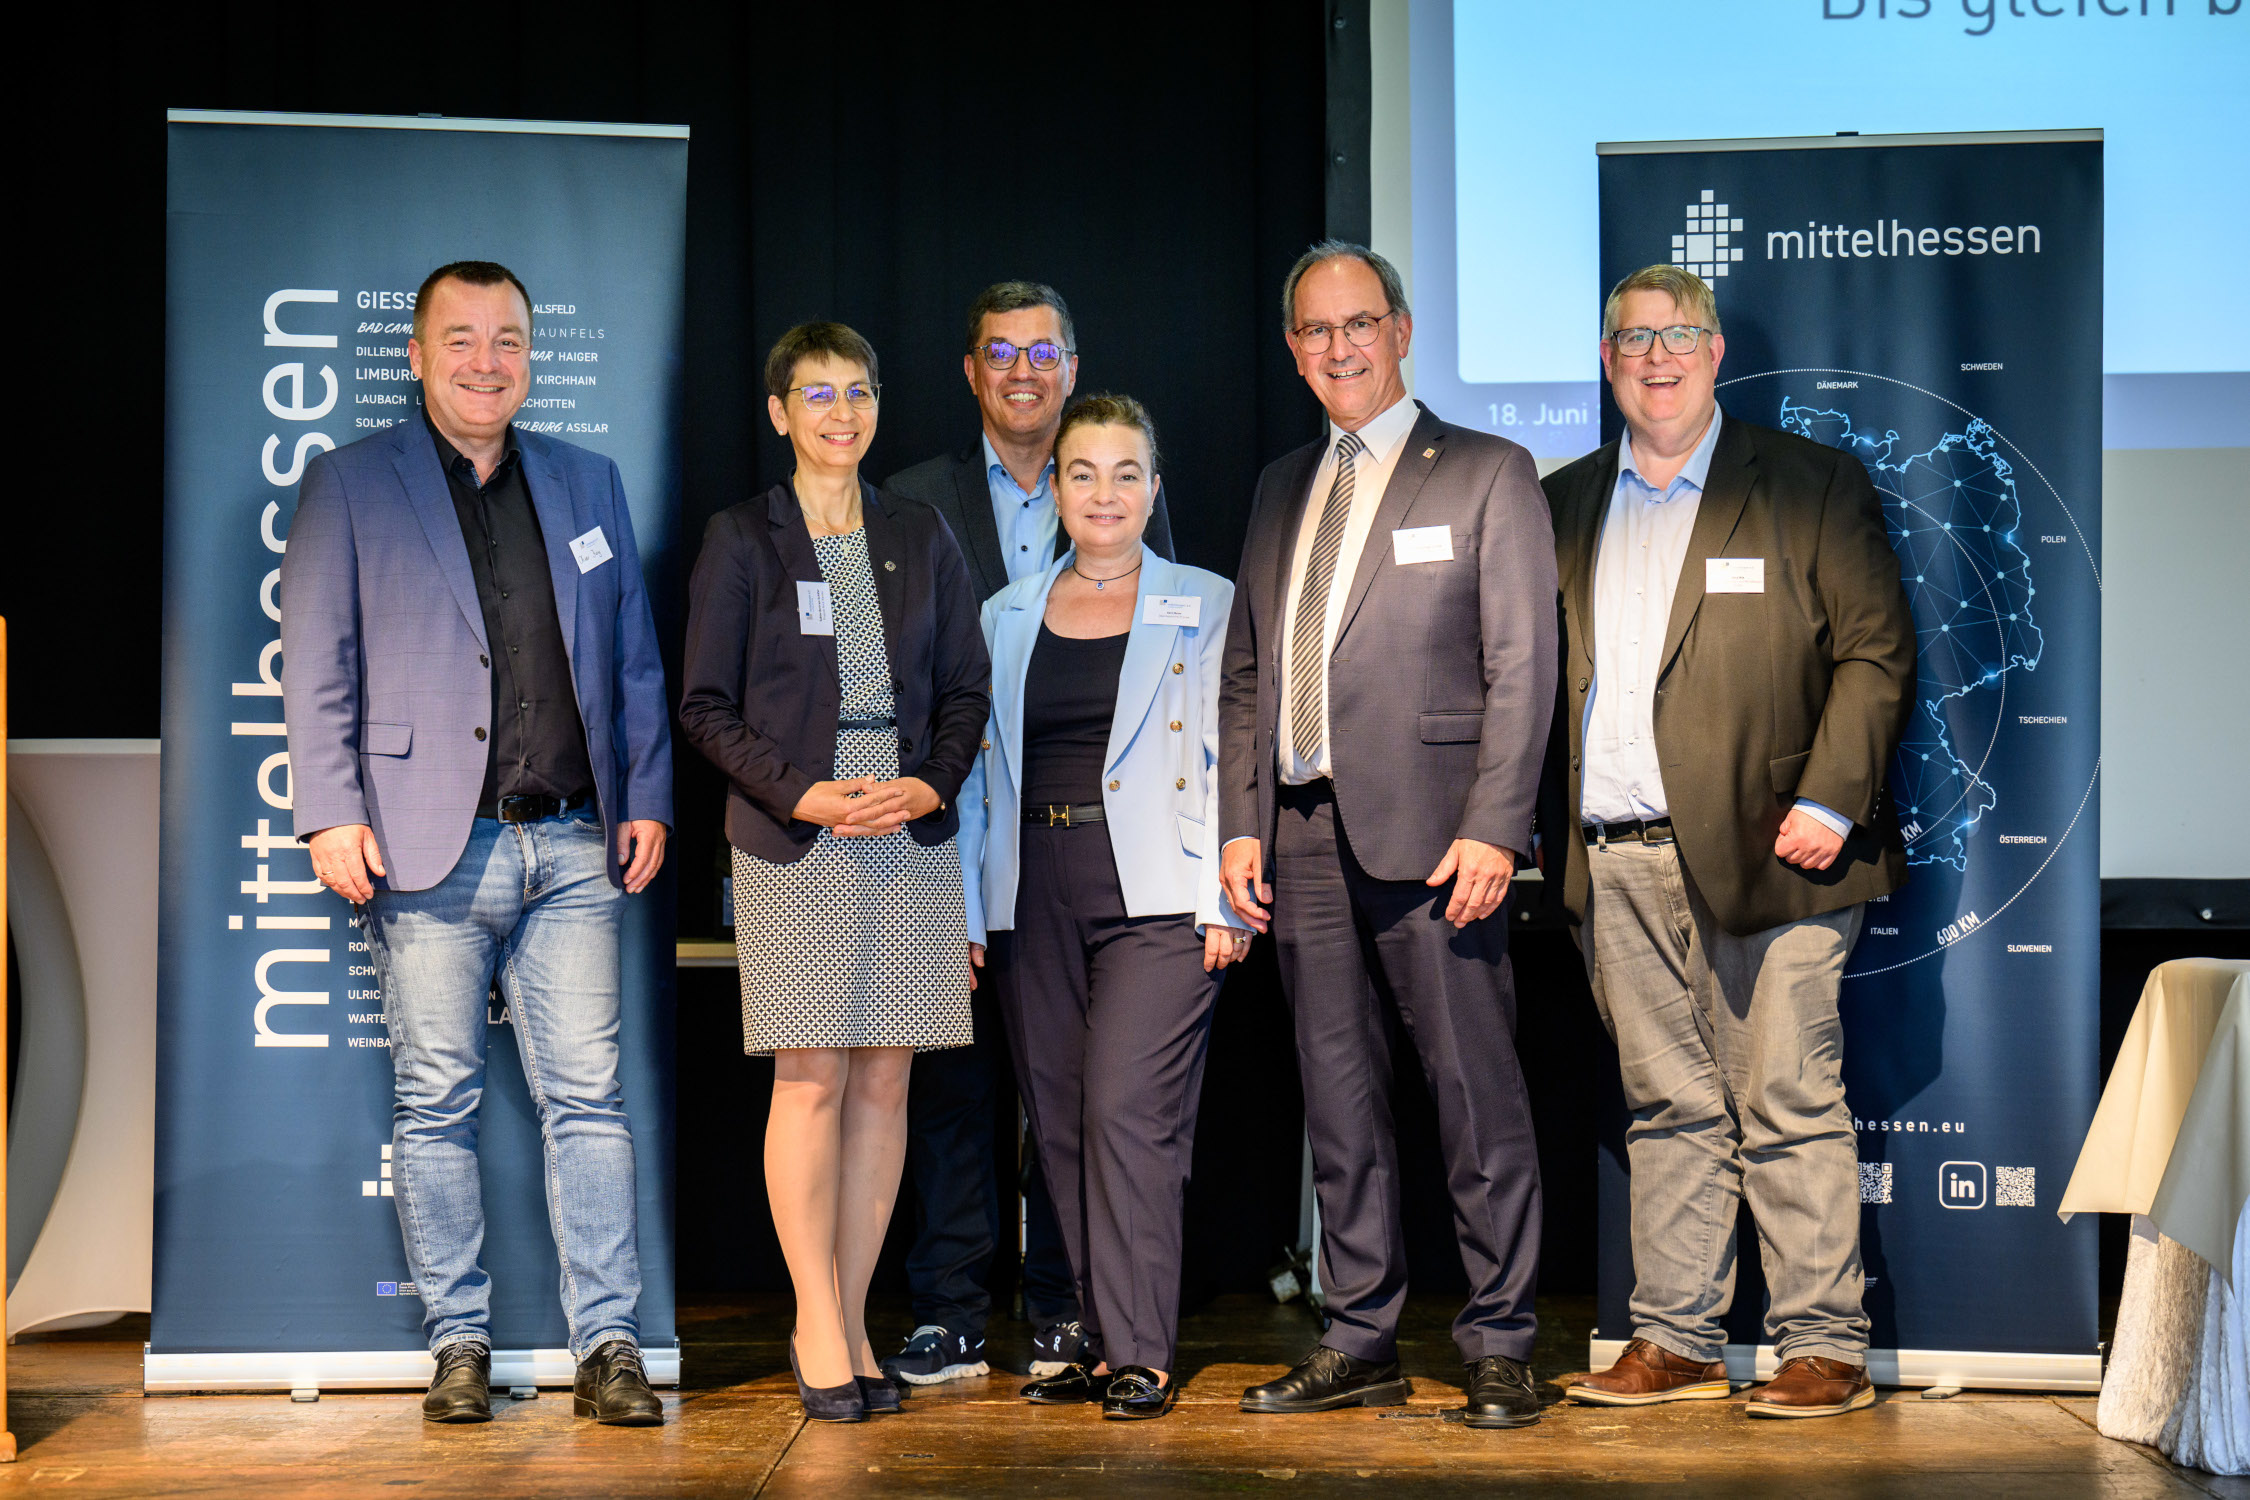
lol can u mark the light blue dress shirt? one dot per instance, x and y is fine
(1643, 547)
(1026, 519)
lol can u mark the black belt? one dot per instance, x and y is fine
(530, 809)
(882, 723)
(1646, 831)
(1058, 816)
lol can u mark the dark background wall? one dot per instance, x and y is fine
(1161, 166)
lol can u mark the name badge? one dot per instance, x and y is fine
(1171, 609)
(591, 550)
(813, 609)
(1734, 575)
(1421, 544)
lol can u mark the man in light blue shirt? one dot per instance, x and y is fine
(1023, 518)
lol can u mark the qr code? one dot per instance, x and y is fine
(2015, 1187)
(1875, 1181)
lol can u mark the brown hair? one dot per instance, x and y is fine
(1019, 296)
(810, 340)
(1107, 410)
(471, 273)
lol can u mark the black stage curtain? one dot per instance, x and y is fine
(1161, 166)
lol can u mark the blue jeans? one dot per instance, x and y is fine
(534, 902)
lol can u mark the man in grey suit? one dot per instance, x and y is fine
(1390, 673)
(1739, 652)
(481, 763)
(997, 495)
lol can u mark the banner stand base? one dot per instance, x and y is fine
(1968, 1369)
(371, 1370)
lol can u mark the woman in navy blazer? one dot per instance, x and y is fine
(835, 672)
(1087, 846)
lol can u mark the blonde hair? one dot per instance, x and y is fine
(1684, 287)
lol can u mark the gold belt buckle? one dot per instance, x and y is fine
(1052, 820)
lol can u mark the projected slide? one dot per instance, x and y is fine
(1510, 97)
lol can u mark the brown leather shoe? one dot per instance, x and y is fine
(1812, 1387)
(1645, 1375)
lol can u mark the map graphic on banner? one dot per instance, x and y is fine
(1934, 310)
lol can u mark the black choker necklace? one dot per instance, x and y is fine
(1102, 583)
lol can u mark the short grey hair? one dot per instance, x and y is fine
(1394, 289)
(1688, 291)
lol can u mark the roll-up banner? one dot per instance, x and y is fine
(294, 247)
(1932, 305)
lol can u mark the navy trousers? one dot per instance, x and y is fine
(1350, 946)
(1110, 1018)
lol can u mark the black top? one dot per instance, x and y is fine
(538, 742)
(1069, 701)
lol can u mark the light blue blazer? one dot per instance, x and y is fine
(1160, 783)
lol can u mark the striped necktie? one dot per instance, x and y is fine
(1308, 633)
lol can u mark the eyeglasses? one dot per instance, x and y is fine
(822, 397)
(1680, 338)
(1001, 355)
(1314, 338)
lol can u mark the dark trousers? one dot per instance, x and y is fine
(1350, 946)
(1110, 1018)
(952, 1107)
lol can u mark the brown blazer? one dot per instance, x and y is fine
(1799, 691)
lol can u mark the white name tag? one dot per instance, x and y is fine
(591, 550)
(1421, 544)
(1734, 575)
(813, 616)
(1171, 609)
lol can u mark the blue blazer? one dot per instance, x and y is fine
(1160, 783)
(385, 680)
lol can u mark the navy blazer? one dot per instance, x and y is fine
(386, 679)
(760, 698)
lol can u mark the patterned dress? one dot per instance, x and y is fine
(862, 942)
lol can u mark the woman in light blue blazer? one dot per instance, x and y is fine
(1087, 849)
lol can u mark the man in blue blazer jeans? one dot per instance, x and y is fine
(481, 764)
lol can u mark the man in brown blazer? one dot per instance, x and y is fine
(1737, 658)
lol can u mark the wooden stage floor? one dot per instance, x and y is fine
(735, 1429)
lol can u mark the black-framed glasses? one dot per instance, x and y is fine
(1680, 338)
(820, 397)
(1045, 354)
(1359, 332)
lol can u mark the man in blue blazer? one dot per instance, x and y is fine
(480, 762)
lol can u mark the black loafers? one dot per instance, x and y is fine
(1075, 1386)
(461, 1391)
(612, 1388)
(1327, 1379)
(1135, 1395)
(1500, 1394)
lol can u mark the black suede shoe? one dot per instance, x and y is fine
(827, 1403)
(1075, 1386)
(1500, 1394)
(612, 1388)
(1135, 1395)
(1327, 1379)
(879, 1394)
(461, 1391)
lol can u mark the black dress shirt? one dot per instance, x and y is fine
(538, 742)
(1069, 702)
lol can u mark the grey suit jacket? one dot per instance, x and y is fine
(1799, 691)
(1443, 674)
(956, 486)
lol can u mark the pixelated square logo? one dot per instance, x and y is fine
(1710, 240)
(1876, 1179)
(2015, 1187)
(386, 1289)
(1961, 1184)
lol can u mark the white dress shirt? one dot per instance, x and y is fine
(1385, 437)
(1643, 547)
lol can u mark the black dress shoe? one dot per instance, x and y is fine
(612, 1388)
(1500, 1394)
(1327, 1379)
(461, 1391)
(1075, 1386)
(1135, 1395)
(827, 1403)
(879, 1394)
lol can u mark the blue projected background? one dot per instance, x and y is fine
(1510, 97)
